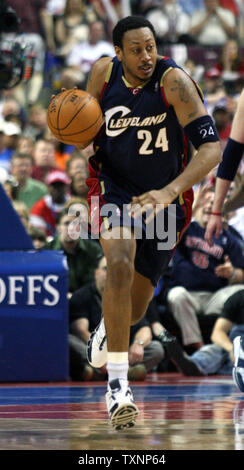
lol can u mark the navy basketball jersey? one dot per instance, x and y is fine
(141, 145)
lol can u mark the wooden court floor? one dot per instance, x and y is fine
(176, 413)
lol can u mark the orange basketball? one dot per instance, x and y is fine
(74, 117)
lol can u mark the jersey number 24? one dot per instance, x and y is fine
(147, 146)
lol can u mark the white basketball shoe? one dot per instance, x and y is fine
(238, 369)
(121, 407)
(97, 346)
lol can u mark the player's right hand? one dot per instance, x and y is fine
(64, 89)
(214, 227)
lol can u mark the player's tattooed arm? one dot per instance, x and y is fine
(186, 94)
(183, 95)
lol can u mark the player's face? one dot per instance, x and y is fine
(138, 55)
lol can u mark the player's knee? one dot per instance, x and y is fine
(120, 270)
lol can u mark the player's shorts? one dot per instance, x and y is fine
(156, 241)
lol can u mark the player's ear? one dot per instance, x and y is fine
(118, 52)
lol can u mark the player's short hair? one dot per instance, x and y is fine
(128, 23)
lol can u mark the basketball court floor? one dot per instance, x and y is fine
(176, 413)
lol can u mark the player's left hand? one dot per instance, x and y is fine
(152, 202)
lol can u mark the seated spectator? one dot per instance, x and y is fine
(31, 33)
(25, 145)
(145, 353)
(45, 212)
(203, 276)
(71, 77)
(29, 190)
(37, 121)
(77, 163)
(73, 26)
(82, 255)
(196, 71)
(22, 212)
(213, 25)
(169, 21)
(78, 186)
(11, 106)
(84, 54)
(191, 5)
(231, 64)
(44, 160)
(10, 185)
(38, 237)
(55, 7)
(10, 133)
(11, 111)
(85, 315)
(218, 357)
(222, 119)
(61, 154)
(214, 90)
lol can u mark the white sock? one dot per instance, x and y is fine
(117, 366)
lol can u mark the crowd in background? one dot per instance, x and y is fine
(44, 177)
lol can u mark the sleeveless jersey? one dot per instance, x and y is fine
(141, 145)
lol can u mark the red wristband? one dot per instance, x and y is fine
(216, 213)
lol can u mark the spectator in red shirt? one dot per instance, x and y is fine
(45, 212)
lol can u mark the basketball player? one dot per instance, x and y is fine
(226, 173)
(152, 111)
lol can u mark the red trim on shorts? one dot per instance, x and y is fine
(188, 197)
(93, 182)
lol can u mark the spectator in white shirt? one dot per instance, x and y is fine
(213, 25)
(84, 54)
(169, 21)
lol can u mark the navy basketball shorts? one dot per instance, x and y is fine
(155, 241)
